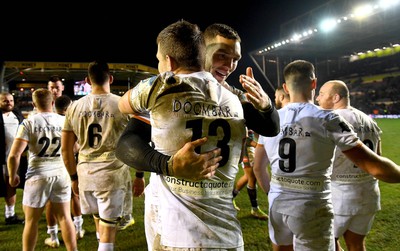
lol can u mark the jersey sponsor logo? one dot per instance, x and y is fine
(352, 178)
(200, 108)
(204, 188)
(47, 129)
(98, 114)
(93, 157)
(294, 131)
(301, 184)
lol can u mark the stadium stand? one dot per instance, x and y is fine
(363, 52)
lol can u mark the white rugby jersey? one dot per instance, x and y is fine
(301, 155)
(11, 123)
(42, 131)
(97, 122)
(201, 213)
(355, 191)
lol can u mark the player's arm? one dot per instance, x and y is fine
(380, 167)
(265, 123)
(379, 147)
(134, 150)
(67, 151)
(17, 148)
(259, 112)
(124, 104)
(261, 162)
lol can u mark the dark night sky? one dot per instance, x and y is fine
(126, 32)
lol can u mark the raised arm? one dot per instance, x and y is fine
(260, 114)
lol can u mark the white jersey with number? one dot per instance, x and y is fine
(42, 131)
(355, 191)
(97, 122)
(301, 157)
(201, 213)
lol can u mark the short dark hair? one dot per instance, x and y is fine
(223, 30)
(99, 72)
(61, 103)
(299, 73)
(184, 42)
(55, 78)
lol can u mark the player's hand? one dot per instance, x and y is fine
(193, 166)
(14, 181)
(138, 185)
(254, 92)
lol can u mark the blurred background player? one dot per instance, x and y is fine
(103, 179)
(248, 178)
(47, 178)
(9, 121)
(61, 104)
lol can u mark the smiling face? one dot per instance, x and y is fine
(222, 57)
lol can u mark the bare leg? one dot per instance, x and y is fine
(354, 242)
(11, 194)
(30, 234)
(51, 219)
(96, 223)
(282, 248)
(337, 245)
(75, 205)
(77, 215)
(107, 233)
(63, 213)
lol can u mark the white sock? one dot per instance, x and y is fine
(78, 222)
(10, 211)
(53, 232)
(106, 247)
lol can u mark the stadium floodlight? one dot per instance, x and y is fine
(296, 37)
(328, 24)
(385, 4)
(363, 11)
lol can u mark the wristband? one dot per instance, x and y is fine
(139, 175)
(74, 177)
(170, 166)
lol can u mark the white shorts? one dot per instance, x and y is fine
(159, 247)
(305, 233)
(38, 190)
(108, 204)
(151, 207)
(360, 224)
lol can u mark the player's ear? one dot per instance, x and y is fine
(111, 79)
(285, 87)
(171, 63)
(314, 83)
(87, 79)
